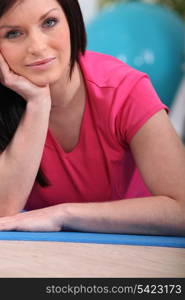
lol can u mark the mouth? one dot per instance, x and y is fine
(41, 63)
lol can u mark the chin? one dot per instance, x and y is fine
(44, 80)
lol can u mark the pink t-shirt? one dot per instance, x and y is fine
(101, 167)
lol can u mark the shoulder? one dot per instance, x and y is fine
(107, 71)
(122, 98)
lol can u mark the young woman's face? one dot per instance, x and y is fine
(35, 40)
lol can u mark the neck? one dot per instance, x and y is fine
(65, 92)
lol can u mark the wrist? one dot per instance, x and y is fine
(40, 104)
(65, 216)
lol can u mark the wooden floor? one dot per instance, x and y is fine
(56, 259)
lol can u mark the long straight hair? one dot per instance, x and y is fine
(12, 105)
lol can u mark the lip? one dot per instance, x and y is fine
(41, 62)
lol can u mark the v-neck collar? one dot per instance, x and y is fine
(52, 143)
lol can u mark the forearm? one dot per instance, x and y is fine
(20, 161)
(151, 215)
(147, 216)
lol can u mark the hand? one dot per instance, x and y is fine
(45, 219)
(21, 85)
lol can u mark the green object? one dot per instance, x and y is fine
(177, 6)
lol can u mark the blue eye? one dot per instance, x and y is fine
(12, 34)
(50, 22)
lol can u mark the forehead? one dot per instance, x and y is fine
(28, 9)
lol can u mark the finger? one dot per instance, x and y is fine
(4, 69)
(3, 63)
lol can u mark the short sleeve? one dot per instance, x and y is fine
(141, 104)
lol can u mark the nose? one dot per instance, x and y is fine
(36, 43)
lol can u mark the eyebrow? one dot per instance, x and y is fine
(17, 26)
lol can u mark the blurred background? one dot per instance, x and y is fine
(149, 35)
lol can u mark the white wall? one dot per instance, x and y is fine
(89, 9)
(177, 114)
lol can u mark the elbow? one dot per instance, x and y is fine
(8, 212)
(175, 209)
(180, 216)
(10, 208)
(178, 198)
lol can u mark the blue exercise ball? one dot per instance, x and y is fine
(148, 37)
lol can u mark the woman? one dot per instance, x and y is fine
(86, 144)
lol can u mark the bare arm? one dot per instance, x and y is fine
(160, 156)
(20, 161)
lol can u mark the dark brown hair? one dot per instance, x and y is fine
(12, 105)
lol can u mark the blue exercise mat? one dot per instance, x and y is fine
(97, 238)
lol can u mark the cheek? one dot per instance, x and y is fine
(61, 41)
(12, 56)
